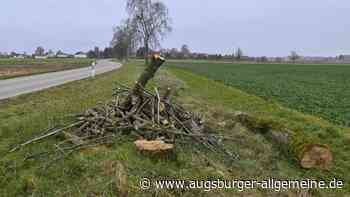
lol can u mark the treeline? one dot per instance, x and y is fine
(105, 53)
(185, 53)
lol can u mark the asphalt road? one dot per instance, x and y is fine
(22, 85)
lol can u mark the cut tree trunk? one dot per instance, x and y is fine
(148, 74)
(146, 52)
(155, 148)
(309, 152)
(136, 93)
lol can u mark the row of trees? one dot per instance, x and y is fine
(174, 53)
(97, 53)
(40, 51)
(185, 53)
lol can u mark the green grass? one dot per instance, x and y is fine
(10, 68)
(94, 172)
(320, 90)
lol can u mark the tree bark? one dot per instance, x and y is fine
(149, 72)
(146, 52)
(136, 93)
(309, 152)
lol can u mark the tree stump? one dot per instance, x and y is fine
(155, 148)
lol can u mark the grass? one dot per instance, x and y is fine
(10, 68)
(320, 90)
(95, 172)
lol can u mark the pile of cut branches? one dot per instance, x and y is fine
(133, 111)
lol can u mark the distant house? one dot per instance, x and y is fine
(51, 55)
(200, 56)
(314, 58)
(80, 55)
(274, 59)
(19, 56)
(40, 57)
(285, 59)
(245, 58)
(60, 54)
(4, 55)
(318, 59)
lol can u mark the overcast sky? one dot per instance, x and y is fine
(259, 27)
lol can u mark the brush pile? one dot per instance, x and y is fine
(152, 117)
(135, 112)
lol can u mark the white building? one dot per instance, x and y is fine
(62, 55)
(51, 55)
(40, 57)
(80, 55)
(19, 56)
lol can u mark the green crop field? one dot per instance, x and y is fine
(10, 68)
(320, 90)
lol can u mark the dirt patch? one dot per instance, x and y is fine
(10, 71)
(13, 72)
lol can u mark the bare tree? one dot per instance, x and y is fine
(239, 54)
(341, 57)
(39, 51)
(151, 21)
(185, 51)
(107, 52)
(174, 53)
(293, 56)
(123, 41)
(233, 55)
(97, 52)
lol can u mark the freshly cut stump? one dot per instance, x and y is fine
(156, 148)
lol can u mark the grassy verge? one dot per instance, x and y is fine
(11, 68)
(96, 172)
